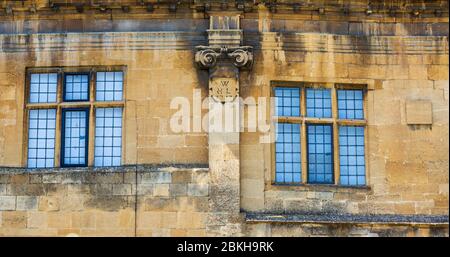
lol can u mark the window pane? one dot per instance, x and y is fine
(76, 87)
(75, 137)
(108, 136)
(351, 155)
(287, 101)
(350, 104)
(109, 86)
(288, 157)
(43, 87)
(320, 154)
(41, 138)
(318, 103)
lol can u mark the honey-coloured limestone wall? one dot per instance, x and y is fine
(403, 62)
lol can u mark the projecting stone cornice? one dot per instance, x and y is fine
(207, 57)
(267, 41)
(337, 8)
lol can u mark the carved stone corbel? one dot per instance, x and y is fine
(242, 57)
(207, 57)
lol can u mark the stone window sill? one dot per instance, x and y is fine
(318, 187)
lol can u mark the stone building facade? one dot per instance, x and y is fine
(88, 147)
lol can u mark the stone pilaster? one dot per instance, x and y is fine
(223, 58)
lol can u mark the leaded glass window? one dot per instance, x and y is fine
(108, 136)
(330, 128)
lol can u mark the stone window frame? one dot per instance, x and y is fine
(60, 104)
(334, 121)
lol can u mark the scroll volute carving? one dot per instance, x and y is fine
(207, 57)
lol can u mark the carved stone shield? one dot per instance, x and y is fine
(223, 89)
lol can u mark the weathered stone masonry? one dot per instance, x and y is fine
(128, 201)
(195, 184)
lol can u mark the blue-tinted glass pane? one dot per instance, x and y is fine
(75, 137)
(287, 153)
(43, 87)
(76, 87)
(351, 154)
(318, 103)
(287, 101)
(320, 154)
(109, 86)
(108, 137)
(41, 138)
(350, 104)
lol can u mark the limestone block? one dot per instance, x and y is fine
(438, 72)
(59, 220)
(200, 176)
(419, 113)
(397, 72)
(156, 177)
(252, 204)
(178, 232)
(105, 219)
(122, 189)
(161, 204)
(196, 140)
(161, 190)
(5, 178)
(191, 220)
(146, 220)
(126, 218)
(2, 189)
(19, 179)
(7, 203)
(418, 72)
(252, 188)
(25, 203)
(85, 219)
(72, 178)
(14, 219)
(53, 178)
(102, 189)
(306, 206)
(108, 203)
(36, 219)
(72, 203)
(171, 141)
(190, 155)
(178, 189)
(324, 195)
(198, 189)
(169, 219)
(444, 86)
(367, 71)
(28, 189)
(329, 70)
(184, 176)
(144, 189)
(196, 233)
(7, 92)
(109, 177)
(48, 204)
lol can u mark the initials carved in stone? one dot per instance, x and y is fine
(223, 89)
